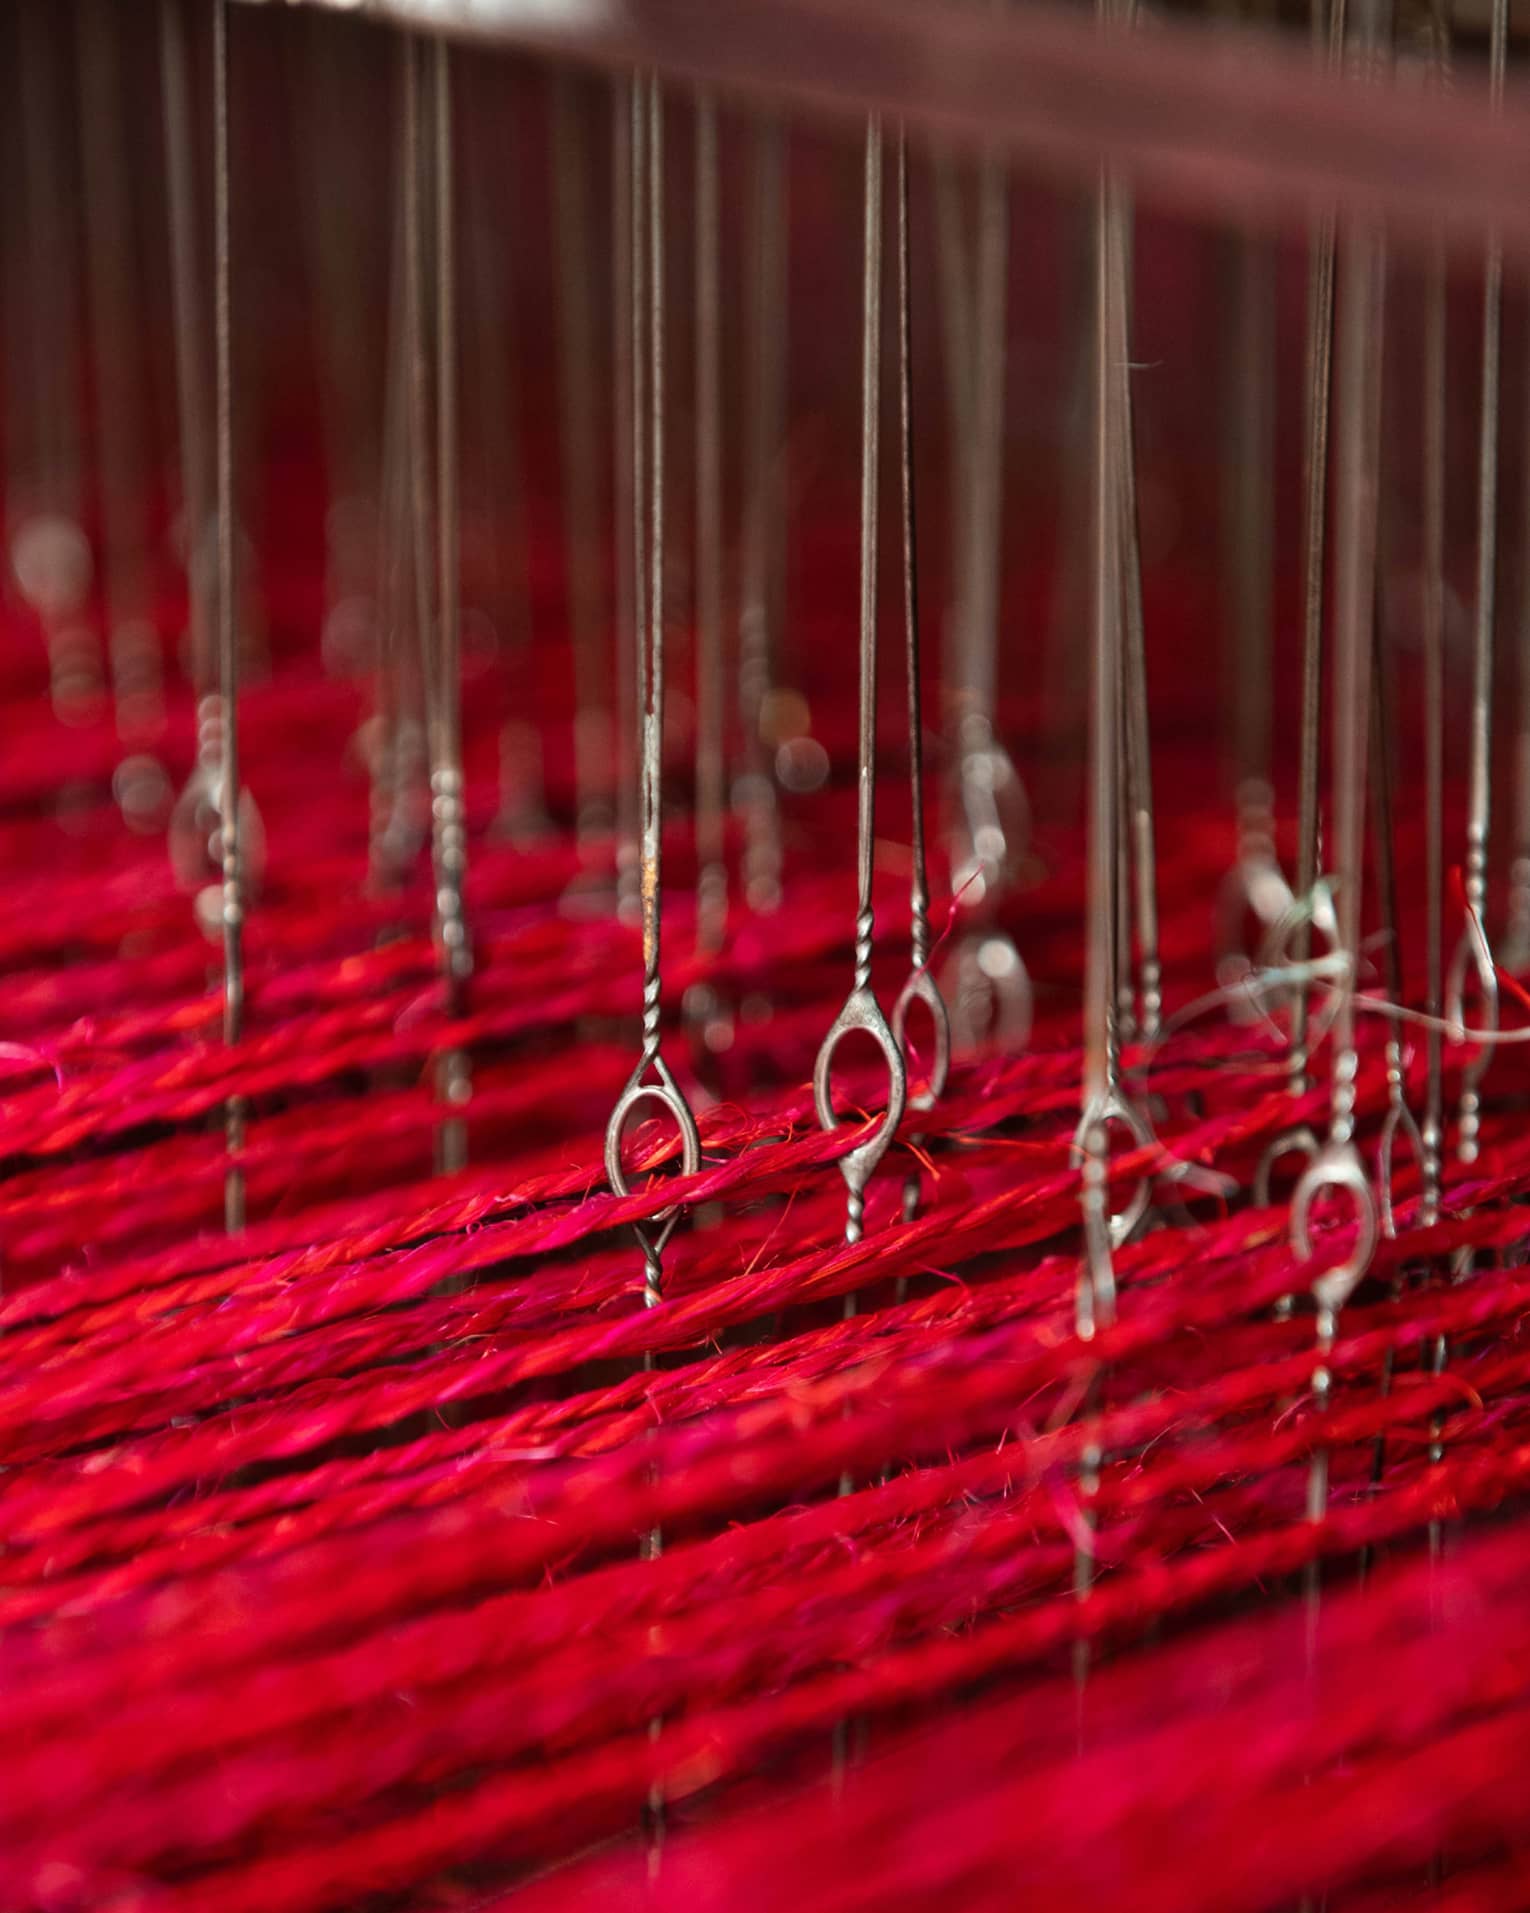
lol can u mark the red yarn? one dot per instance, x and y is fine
(323, 1579)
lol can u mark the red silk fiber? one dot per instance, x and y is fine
(327, 1569)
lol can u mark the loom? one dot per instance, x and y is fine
(766, 793)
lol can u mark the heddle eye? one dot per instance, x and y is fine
(1399, 1123)
(666, 1097)
(861, 1016)
(933, 1062)
(1091, 1148)
(1335, 1175)
(1471, 990)
(989, 992)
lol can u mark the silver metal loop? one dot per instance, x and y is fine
(861, 1012)
(666, 1092)
(1113, 1107)
(1472, 955)
(195, 835)
(1301, 1142)
(1399, 1119)
(986, 968)
(1316, 909)
(923, 987)
(1254, 887)
(992, 826)
(1336, 1166)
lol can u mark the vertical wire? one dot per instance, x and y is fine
(1516, 945)
(53, 420)
(956, 314)
(1354, 660)
(1472, 951)
(1100, 1059)
(1094, 1295)
(1474, 947)
(646, 213)
(388, 829)
(760, 570)
(1354, 603)
(330, 99)
(712, 876)
(1254, 894)
(1132, 694)
(651, 671)
(1319, 381)
(652, 694)
(989, 811)
(919, 886)
(227, 635)
(495, 357)
(196, 480)
(980, 593)
(111, 292)
(921, 986)
(50, 551)
(1398, 1115)
(448, 586)
(861, 1009)
(417, 432)
(871, 381)
(985, 484)
(627, 509)
(630, 898)
(871, 356)
(1250, 448)
(593, 806)
(1383, 783)
(1113, 609)
(1121, 902)
(447, 795)
(1480, 776)
(1433, 538)
(1337, 1166)
(1433, 704)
